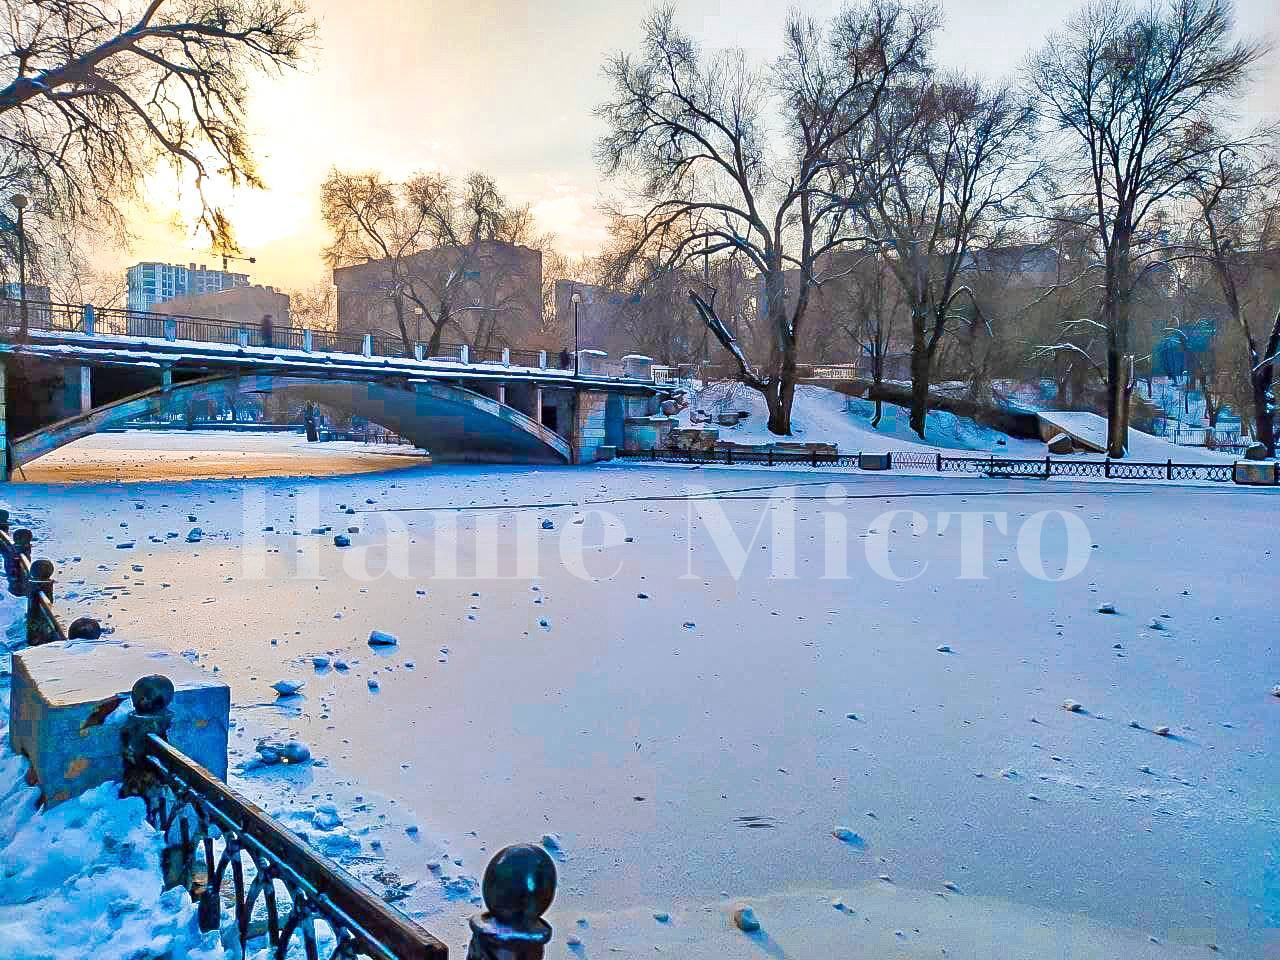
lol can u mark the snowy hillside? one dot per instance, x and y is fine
(825, 415)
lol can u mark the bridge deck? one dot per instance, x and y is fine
(125, 350)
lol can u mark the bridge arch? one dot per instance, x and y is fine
(454, 424)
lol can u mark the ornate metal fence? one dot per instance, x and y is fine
(940, 463)
(33, 579)
(253, 878)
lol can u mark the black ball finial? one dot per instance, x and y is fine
(42, 570)
(84, 628)
(519, 884)
(152, 694)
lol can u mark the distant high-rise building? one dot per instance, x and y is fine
(152, 283)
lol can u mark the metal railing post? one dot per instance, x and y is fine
(1168, 470)
(367, 347)
(89, 319)
(306, 341)
(40, 629)
(18, 577)
(151, 698)
(542, 359)
(464, 353)
(419, 351)
(171, 330)
(506, 356)
(518, 886)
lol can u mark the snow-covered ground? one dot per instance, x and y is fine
(82, 879)
(695, 738)
(822, 414)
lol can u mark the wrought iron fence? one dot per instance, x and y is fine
(940, 463)
(33, 579)
(738, 456)
(253, 880)
(256, 881)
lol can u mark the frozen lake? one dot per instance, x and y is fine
(687, 732)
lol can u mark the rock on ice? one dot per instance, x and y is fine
(845, 835)
(744, 918)
(287, 688)
(379, 639)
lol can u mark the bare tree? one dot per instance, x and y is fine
(433, 242)
(97, 93)
(1237, 211)
(732, 161)
(314, 307)
(1126, 88)
(934, 176)
(870, 319)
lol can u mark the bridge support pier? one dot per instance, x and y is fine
(86, 388)
(4, 430)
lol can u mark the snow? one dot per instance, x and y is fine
(82, 879)
(1143, 447)
(693, 751)
(826, 415)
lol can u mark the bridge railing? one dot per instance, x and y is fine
(115, 321)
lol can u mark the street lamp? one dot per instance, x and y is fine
(20, 202)
(577, 299)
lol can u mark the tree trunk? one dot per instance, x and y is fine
(433, 345)
(921, 361)
(1262, 382)
(405, 339)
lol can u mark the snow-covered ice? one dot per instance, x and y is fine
(686, 770)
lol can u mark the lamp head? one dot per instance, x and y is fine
(19, 200)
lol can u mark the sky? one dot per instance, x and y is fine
(508, 87)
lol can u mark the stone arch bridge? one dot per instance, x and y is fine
(59, 385)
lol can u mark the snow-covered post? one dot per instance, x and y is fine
(40, 585)
(242, 337)
(419, 351)
(518, 886)
(306, 341)
(542, 359)
(171, 330)
(506, 356)
(151, 697)
(464, 353)
(89, 319)
(367, 348)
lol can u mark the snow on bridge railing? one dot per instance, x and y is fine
(114, 321)
(281, 894)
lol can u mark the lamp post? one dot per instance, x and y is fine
(20, 202)
(577, 299)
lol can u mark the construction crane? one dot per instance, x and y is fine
(230, 256)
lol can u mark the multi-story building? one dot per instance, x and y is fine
(151, 283)
(248, 305)
(493, 290)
